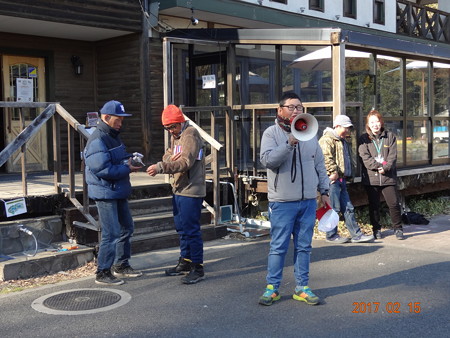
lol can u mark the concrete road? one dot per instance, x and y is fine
(386, 288)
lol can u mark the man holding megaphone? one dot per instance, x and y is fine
(295, 173)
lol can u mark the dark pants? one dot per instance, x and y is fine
(187, 212)
(390, 196)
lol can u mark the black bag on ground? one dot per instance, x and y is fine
(412, 217)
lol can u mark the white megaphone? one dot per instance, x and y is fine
(304, 127)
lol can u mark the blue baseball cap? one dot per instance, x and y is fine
(113, 108)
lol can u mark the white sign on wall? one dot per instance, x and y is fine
(209, 81)
(24, 90)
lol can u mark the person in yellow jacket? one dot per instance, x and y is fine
(338, 162)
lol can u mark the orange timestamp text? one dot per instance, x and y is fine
(389, 307)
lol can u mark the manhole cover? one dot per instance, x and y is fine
(81, 301)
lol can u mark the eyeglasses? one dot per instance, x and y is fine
(171, 127)
(291, 107)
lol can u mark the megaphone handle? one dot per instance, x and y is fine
(292, 140)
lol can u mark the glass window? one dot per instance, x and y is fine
(388, 86)
(378, 11)
(255, 84)
(317, 5)
(441, 85)
(255, 74)
(24, 71)
(441, 139)
(396, 127)
(306, 70)
(349, 9)
(441, 119)
(416, 141)
(360, 78)
(416, 88)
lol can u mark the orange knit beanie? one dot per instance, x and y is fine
(172, 114)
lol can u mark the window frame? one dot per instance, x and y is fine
(379, 12)
(317, 5)
(349, 9)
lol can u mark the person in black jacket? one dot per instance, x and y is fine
(378, 154)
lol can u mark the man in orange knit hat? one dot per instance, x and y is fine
(185, 162)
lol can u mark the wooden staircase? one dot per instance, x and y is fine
(153, 221)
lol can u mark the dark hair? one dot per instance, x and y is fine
(376, 113)
(288, 96)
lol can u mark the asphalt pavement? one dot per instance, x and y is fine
(385, 288)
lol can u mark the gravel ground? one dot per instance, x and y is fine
(22, 284)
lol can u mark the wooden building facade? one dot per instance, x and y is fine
(84, 53)
(107, 41)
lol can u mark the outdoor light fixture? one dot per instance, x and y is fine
(302, 9)
(194, 20)
(337, 16)
(77, 65)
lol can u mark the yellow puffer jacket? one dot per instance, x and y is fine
(333, 153)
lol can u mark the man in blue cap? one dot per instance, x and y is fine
(108, 167)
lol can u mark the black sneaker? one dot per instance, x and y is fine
(399, 234)
(182, 268)
(125, 271)
(105, 277)
(377, 234)
(195, 275)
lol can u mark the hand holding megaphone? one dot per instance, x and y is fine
(304, 127)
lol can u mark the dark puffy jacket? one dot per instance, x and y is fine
(106, 174)
(367, 155)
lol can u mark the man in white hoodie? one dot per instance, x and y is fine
(338, 162)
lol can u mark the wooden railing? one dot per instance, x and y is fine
(212, 159)
(55, 112)
(424, 22)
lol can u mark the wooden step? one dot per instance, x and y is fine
(169, 238)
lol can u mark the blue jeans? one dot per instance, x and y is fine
(340, 202)
(117, 229)
(186, 213)
(297, 218)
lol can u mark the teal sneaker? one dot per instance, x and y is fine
(270, 295)
(304, 294)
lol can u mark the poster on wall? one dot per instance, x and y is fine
(208, 81)
(24, 90)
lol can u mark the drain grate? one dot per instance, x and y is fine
(81, 301)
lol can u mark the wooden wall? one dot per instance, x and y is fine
(76, 93)
(111, 72)
(114, 14)
(118, 69)
(156, 100)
